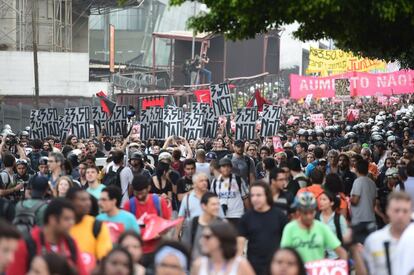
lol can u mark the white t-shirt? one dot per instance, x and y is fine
(404, 263)
(374, 251)
(231, 196)
(203, 168)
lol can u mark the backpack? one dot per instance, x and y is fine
(25, 217)
(337, 224)
(7, 209)
(155, 199)
(32, 248)
(113, 177)
(238, 180)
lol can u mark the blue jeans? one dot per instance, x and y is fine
(207, 73)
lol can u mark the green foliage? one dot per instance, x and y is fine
(381, 29)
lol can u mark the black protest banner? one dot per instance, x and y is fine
(221, 99)
(210, 124)
(199, 108)
(117, 125)
(173, 122)
(64, 125)
(246, 123)
(35, 125)
(79, 121)
(156, 123)
(43, 123)
(193, 125)
(270, 120)
(144, 122)
(99, 117)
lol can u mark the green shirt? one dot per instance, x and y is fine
(96, 192)
(310, 244)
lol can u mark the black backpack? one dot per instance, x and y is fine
(338, 230)
(113, 177)
(25, 217)
(7, 209)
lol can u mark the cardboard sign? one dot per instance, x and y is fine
(246, 123)
(199, 108)
(145, 126)
(44, 122)
(210, 124)
(277, 144)
(221, 99)
(318, 119)
(117, 123)
(99, 117)
(270, 120)
(156, 124)
(115, 126)
(327, 267)
(64, 125)
(173, 122)
(193, 125)
(78, 120)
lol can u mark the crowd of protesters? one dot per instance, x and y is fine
(343, 191)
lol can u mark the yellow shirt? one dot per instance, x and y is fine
(83, 234)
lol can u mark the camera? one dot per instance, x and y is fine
(224, 207)
(12, 140)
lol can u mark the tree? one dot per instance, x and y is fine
(382, 29)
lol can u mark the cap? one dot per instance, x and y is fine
(133, 144)
(165, 156)
(288, 145)
(39, 185)
(392, 171)
(305, 201)
(140, 182)
(210, 156)
(136, 156)
(225, 161)
(239, 143)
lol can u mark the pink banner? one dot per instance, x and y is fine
(360, 84)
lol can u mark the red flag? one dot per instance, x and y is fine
(155, 226)
(203, 96)
(152, 102)
(257, 101)
(106, 104)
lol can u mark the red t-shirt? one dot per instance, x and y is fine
(149, 208)
(20, 264)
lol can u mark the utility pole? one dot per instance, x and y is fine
(35, 61)
(193, 40)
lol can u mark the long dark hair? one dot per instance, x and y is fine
(267, 190)
(226, 233)
(57, 264)
(113, 251)
(299, 262)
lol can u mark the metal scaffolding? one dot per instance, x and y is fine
(53, 19)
